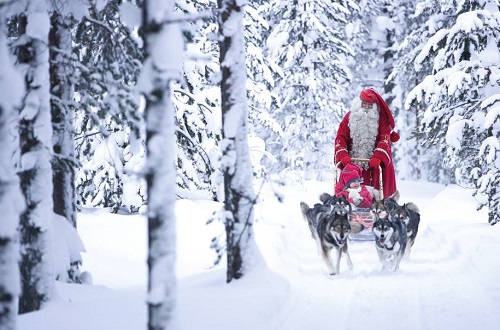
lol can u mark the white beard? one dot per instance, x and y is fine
(363, 124)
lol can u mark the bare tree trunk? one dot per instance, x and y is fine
(35, 134)
(160, 70)
(237, 168)
(11, 199)
(62, 118)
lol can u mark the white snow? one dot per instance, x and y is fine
(449, 282)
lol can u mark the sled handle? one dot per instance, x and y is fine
(380, 179)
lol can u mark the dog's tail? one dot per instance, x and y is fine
(413, 207)
(304, 208)
(395, 196)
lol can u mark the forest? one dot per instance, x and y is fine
(132, 105)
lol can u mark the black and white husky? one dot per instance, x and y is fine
(390, 241)
(409, 214)
(330, 227)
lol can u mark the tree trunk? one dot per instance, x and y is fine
(35, 134)
(11, 199)
(61, 88)
(237, 169)
(160, 156)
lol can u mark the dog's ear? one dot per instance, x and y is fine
(325, 198)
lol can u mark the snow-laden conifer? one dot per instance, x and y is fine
(461, 93)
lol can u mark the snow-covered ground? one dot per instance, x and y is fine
(449, 282)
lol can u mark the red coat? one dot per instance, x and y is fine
(383, 151)
(350, 173)
(364, 193)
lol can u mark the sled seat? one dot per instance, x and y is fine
(362, 216)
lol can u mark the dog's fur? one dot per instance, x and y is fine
(328, 199)
(383, 207)
(390, 241)
(330, 227)
(409, 214)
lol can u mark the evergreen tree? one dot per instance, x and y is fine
(261, 73)
(416, 158)
(306, 43)
(461, 93)
(368, 41)
(109, 60)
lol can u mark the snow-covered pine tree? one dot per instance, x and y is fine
(35, 171)
(368, 43)
(261, 73)
(197, 102)
(109, 63)
(307, 44)
(164, 47)
(461, 95)
(11, 198)
(407, 153)
(239, 196)
(416, 158)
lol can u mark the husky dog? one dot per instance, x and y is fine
(330, 227)
(342, 201)
(390, 241)
(409, 214)
(380, 208)
(328, 199)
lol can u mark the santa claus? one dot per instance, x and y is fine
(366, 131)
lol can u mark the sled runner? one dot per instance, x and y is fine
(360, 215)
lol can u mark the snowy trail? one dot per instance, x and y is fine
(449, 282)
(366, 297)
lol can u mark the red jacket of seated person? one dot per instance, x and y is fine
(350, 186)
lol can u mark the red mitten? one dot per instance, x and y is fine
(394, 137)
(345, 160)
(374, 162)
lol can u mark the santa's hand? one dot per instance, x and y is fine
(357, 200)
(374, 162)
(345, 160)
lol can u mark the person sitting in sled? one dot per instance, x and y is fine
(350, 186)
(366, 131)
